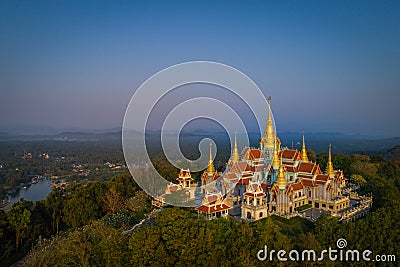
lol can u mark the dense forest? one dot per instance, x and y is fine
(87, 223)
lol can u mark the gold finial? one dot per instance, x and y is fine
(304, 151)
(210, 168)
(275, 162)
(269, 133)
(281, 175)
(329, 166)
(235, 156)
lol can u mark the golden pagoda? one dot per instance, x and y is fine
(235, 156)
(276, 162)
(304, 151)
(210, 168)
(281, 181)
(268, 139)
(329, 166)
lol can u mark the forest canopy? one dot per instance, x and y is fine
(85, 223)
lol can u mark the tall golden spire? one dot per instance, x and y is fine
(210, 168)
(235, 156)
(276, 162)
(281, 176)
(269, 133)
(304, 151)
(329, 166)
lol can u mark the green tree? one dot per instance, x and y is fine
(364, 168)
(311, 155)
(139, 202)
(113, 200)
(326, 230)
(166, 169)
(358, 179)
(19, 217)
(148, 249)
(55, 203)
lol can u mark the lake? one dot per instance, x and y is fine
(35, 192)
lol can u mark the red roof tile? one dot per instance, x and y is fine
(291, 154)
(258, 168)
(184, 179)
(211, 198)
(305, 176)
(308, 183)
(244, 150)
(322, 177)
(264, 186)
(288, 154)
(231, 175)
(305, 167)
(244, 167)
(256, 153)
(184, 173)
(213, 208)
(250, 194)
(288, 163)
(247, 175)
(244, 181)
(290, 169)
(297, 186)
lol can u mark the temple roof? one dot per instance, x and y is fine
(309, 167)
(231, 175)
(322, 177)
(245, 181)
(252, 194)
(245, 167)
(259, 168)
(184, 173)
(214, 208)
(290, 168)
(297, 186)
(308, 183)
(305, 167)
(213, 203)
(210, 198)
(291, 154)
(251, 154)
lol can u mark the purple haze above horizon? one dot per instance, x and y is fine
(330, 66)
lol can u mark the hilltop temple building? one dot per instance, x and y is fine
(276, 180)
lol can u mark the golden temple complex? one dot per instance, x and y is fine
(275, 180)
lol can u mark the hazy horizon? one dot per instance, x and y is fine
(43, 130)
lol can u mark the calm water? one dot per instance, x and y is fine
(35, 192)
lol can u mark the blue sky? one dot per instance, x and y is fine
(329, 65)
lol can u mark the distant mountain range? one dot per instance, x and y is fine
(393, 153)
(65, 136)
(341, 143)
(47, 130)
